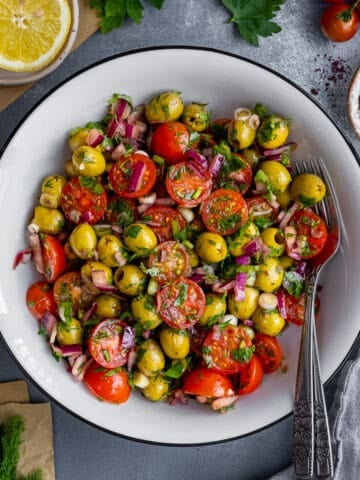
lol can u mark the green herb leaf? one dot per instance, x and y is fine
(253, 18)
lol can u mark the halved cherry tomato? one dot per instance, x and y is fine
(54, 257)
(40, 299)
(170, 140)
(164, 221)
(120, 211)
(227, 349)
(69, 291)
(239, 178)
(336, 28)
(260, 207)
(171, 261)
(251, 376)
(133, 175)
(186, 186)
(269, 351)
(295, 308)
(83, 199)
(181, 303)
(105, 343)
(224, 211)
(313, 230)
(198, 334)
(110, 385)
(207, 383)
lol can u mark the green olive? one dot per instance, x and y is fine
(278, 175)
(144, 311)
(286, 261)
(247, 233)
(274, 239)
(167, 106)
(308, 189)
(78, 138)
(157, 389)
(150, 358)
(270, 275)
(252, 156)
(175, 343)
(284, 199)
(211, 247)
(245, 308)
(196, 117)
(107, 306)
(89, 268)
(241, 134)
(140, 239)
(269, 322)
(83, 241)
(272, 132)
(51, 190)
(71, 170)
(48, 220)
(108, 247)
(194, 258)
(69, 333)
(130, 280)
(215, 308)
(88, 161)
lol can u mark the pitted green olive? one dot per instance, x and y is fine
(269, 322)
(215, 308)
(308, 189)
(284, 199)
(274, 239)
(270, 275)
(108, 247)
(130, 280)
(107, 306)
(140, 239)
(278, 175)
(88, 161)
(83, 241)
(157, 389)
(51, 189)
(69, 333)
(175, 343)
(247, 233)
(196, 117)
(245, 308)
(211, 247)
(150, 358)
(144, 310)
(48, 220)
(241, 134)
(78, 137)
(167, 106)
(272, 132)
(90, 269)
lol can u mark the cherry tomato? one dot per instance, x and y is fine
(171, 261)
(83, 199)
(181, 303)
(259, 207)
(110, 385)
(164, 221)
(170, 140)
(54, 257)
(227, 349)
(132, 176)
(295, 308)
(207, 383)
(313, 233)
(269, 351)
(251, 376)
(338, 29)
(224, 211)
(186, 186)
(239, 178)
(120, 211)
(69, 291)
(198, 334)
(105, 343)
(40, 299)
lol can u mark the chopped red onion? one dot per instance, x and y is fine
(239, 287)
(120, 258)
(137, 114)
(118, 151)
(197, 277)
(80, 365)
(166, 202)
(281, 302)
(136, 177)
(288, 215)
(49, 321)
(122, 109)
(197, 157)
(248, 322)
(116, 128)
(35, 244)
(128, 338)
(177, 396)
(242, 260)
(221, 287)
(89, 313)
(300, 267)
(215, 164)
(67, 350)
(130, 130)
(23, 256)
(85, 217)
(131, 359)
(117, 229)
(108, 288)
(238, 176)
(149, 199)
(94, 137)
(146, 334)
(252, 247)
(195, 169)
(289, 147)
(99, 278)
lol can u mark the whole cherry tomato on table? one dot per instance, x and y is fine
(339, 22)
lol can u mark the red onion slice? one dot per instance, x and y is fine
(23, 256)
(98, 278)
(239, 287)
(215, 164)
(289, 147)
(128, 338)
(49, 321)
(281, 302)
(94, 137)
(35, 244)
(242, 260)
(136, 177)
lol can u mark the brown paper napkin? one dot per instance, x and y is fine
(36, 449)
(88, 24)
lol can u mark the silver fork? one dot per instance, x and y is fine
(312, 440)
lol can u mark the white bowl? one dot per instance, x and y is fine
(38, 148)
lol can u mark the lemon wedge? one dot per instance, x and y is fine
(32, 33)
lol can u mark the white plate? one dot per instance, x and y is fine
(38, 148)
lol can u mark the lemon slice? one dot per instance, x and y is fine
(32, 33)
